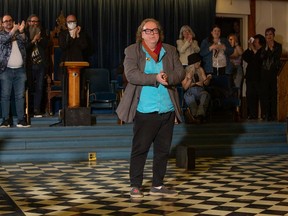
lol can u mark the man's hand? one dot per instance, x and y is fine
(36, 38)
(209, 77)
(77, 31)
(162, 78)
(15, 28)
(21, 26)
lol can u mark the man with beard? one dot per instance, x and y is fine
(37, 60)
(12, 69)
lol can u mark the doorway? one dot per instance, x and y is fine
(226, 23)
(229, 25)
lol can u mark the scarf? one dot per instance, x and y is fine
(154, 54)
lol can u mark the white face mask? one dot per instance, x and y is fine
(72, 25)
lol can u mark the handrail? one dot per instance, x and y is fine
(283, 61)
(282, 91)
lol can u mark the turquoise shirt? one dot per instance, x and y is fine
(152, 98)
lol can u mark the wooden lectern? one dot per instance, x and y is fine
(73, 70)
(74, 115)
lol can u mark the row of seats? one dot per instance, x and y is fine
(98, 89)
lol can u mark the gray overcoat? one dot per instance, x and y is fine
(134, 64)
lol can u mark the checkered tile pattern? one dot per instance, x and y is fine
(236, 186)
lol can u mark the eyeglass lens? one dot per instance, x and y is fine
(149, 31)
(6, 21)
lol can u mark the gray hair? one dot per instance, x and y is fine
(183, 28)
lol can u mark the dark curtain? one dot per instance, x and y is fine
(112, 24)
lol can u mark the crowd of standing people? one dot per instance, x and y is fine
(224, 57)
(28, 44)
(24, 63)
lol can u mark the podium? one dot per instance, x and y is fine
(73, 70)
(75, 115)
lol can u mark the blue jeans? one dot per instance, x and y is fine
(13, 78)
(197, 99)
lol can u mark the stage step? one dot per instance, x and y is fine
(109, 140)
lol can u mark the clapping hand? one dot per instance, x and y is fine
(21, 26)
(162, 78)
(78, 29)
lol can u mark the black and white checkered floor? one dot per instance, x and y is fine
(251, 185)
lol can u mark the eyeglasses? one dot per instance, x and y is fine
(6, 21)
(149, 31)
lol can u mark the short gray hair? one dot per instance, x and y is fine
(183, 28)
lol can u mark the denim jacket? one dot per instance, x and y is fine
(6, 48)
(206, 55)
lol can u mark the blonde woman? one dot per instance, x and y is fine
(186, 45)
(236, 61)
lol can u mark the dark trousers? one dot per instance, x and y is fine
(38, 73)
(64, 83)
(268, 97)
(252, 94)
(151, 128)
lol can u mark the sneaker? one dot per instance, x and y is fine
(23, 124)
(136, 193)
(5, 124)
(38, 116)
(163, 191)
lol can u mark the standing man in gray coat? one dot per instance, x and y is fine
(151, 101)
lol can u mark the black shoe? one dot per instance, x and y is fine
(163, 191)
(263, 117)
(135, 192)
(23, 124)
(200, 118)
(37, 114)
(6, 124)
(252, 117)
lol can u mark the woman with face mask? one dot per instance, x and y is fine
(72, 41)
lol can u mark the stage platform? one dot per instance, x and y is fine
(109, 140)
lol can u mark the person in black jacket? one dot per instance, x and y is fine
(72, 41)
(253, 57)
(37, 60)
(270, 69)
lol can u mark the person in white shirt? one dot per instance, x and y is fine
(186, 45)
